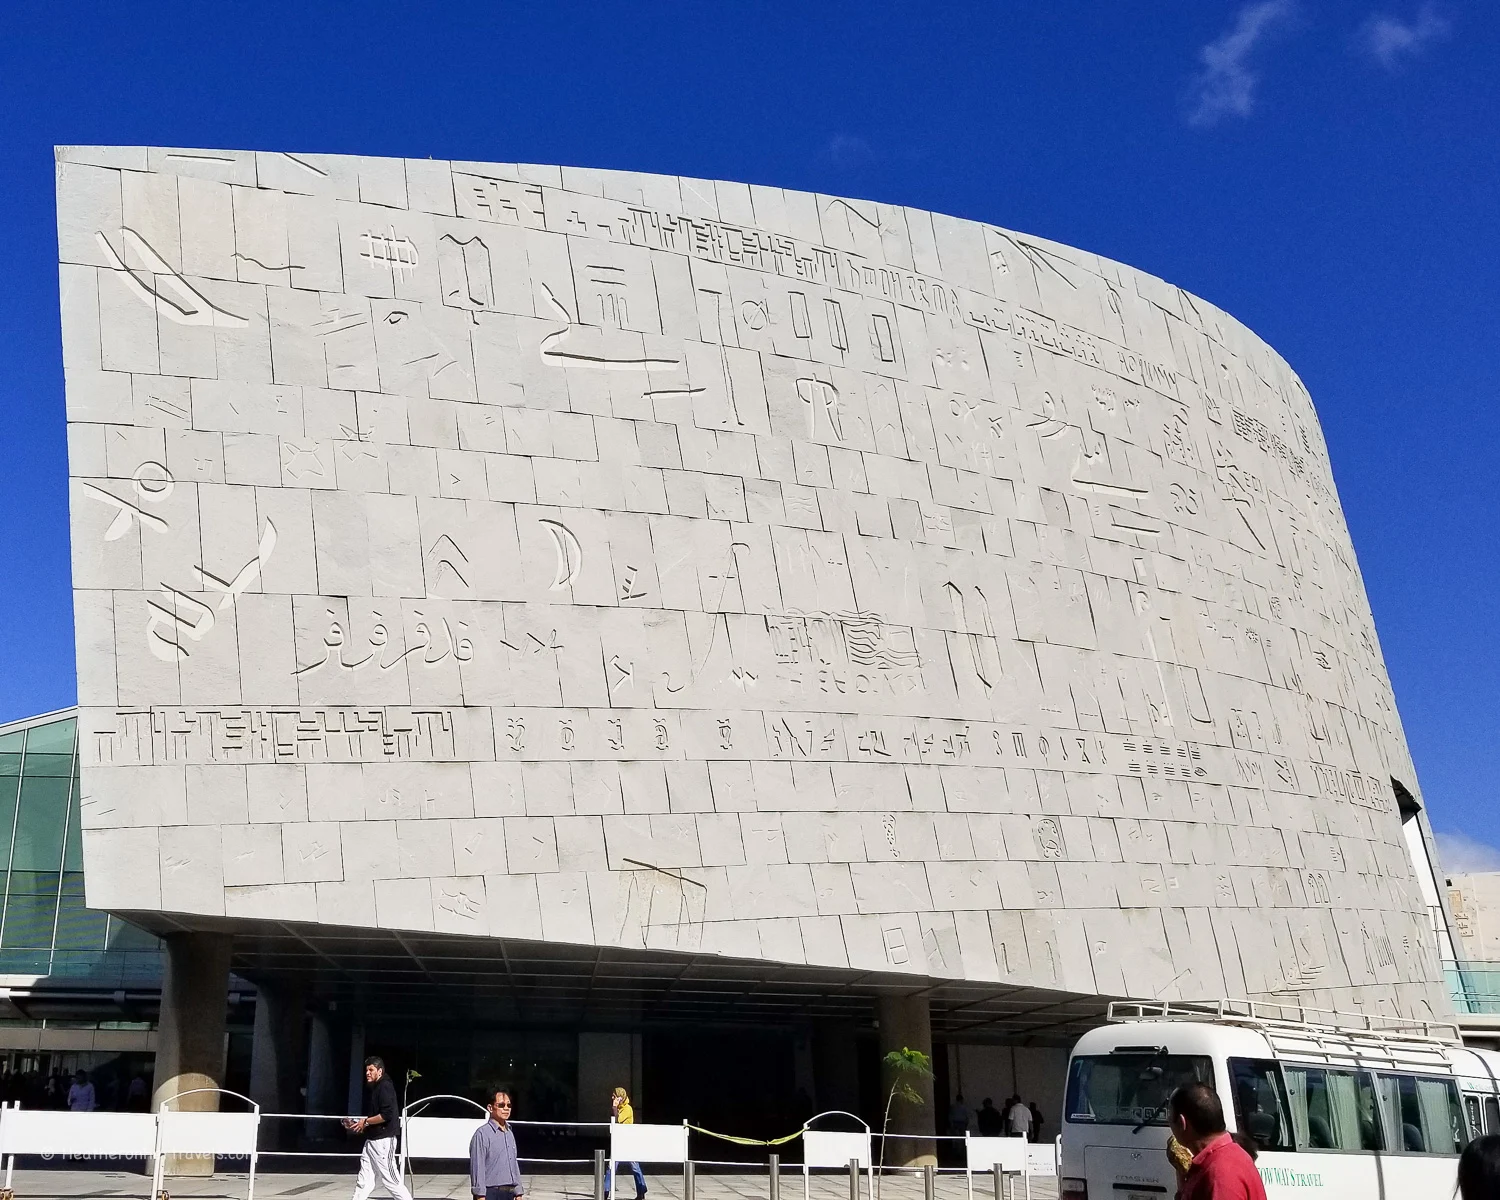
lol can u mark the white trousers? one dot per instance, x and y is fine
(377, 1164)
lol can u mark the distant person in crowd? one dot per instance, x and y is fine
(1036, 1122)
(136, 1099)
(619, 1101)
(958, 1116)
(494, 1172)
(990, 1123)
(1018, 1119)
(381, 1125)
(81, 1096)
(1219, 1168)
(1479, 1169)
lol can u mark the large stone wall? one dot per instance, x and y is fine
(630, 560)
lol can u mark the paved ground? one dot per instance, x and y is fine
(83, 1185)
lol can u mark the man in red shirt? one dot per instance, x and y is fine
(1220, 1170)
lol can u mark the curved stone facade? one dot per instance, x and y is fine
(628, 560)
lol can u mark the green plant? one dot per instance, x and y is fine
(905, 1066)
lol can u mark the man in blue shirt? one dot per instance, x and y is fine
(494, 1172)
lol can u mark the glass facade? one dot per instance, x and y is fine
(45, 928)
(1474, 986)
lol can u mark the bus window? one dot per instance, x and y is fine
(1423, 1116)
(1130, 1089)
(1471, 1106)
(1491, 1115)
(1260, 1103)
(1332, 1110)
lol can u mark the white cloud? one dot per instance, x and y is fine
(1461, 855)
(1225, 87)
(1391, 41)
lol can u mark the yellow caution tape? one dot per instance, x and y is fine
(744, 1141)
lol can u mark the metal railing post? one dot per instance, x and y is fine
(774, 1166)
(854, 1179)
(687, 1179)
(999, 1176)
(599, 1175)
(929, 1183)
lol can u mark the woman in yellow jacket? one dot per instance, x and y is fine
(625, 1115)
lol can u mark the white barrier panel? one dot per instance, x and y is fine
(986, 1153)
(26, 1131)
(648, 1143)
(1041, 1159)
(821, 1148)
(438, 1137)
(226, 1133)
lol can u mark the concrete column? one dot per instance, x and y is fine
(835, 1065)
(906, 1022)
(324, 1093)
(604, 1063)
(191, 1029)
(356, 1070)
(278, 1056)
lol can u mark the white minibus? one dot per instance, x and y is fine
(1338, 1106)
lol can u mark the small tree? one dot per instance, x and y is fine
(906, 1066)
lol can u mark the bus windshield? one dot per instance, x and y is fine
(1131, 1088)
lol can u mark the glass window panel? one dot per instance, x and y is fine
(73, 844)
(25, 962)
(1130, 1088)
(1260, 1103)
(1491, 1115)
(55, 737)
(28, 921)
(1333, 1110)
(10, 743)
(80, 928)
(1423, 1116)
(1442, 1115)
(36, 765)
(39, 824)
(125, 936)
(10, 788)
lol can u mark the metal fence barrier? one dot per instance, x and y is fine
(173, 1131)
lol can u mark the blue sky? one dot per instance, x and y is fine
(1326, 170)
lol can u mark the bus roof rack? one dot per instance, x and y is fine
(1287, 1018)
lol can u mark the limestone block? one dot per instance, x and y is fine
(251, 855)
(311, 852)
(404, 904)
(271, 902)
(129, 881)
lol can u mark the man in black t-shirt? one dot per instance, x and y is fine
(380, 1125)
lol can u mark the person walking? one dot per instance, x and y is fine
(81, 1096)
(990, 1123)
(381, 1124)
(494, 1171)
(959, 1117)
(1479, 1169)
(619, 1101)
(1018, 1119)
(1219, 1169)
